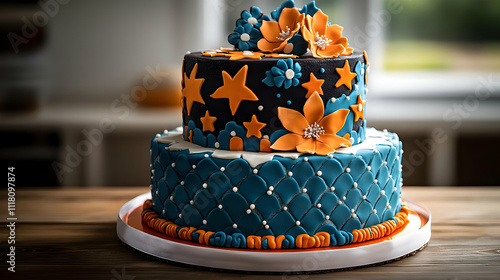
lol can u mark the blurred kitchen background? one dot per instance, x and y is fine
(85, 85)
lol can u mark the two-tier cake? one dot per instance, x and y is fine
(274, 152)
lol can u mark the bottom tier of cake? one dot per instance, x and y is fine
(275, 200)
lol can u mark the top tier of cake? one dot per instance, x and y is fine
(283, 89)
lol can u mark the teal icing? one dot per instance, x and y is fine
(277, 76)
(299, 201)
(322, 70)
(288, 102)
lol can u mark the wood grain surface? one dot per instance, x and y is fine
(71, 234)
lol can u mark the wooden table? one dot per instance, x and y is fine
(71, 234)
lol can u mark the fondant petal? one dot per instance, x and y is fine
(270, 30)
(323, 149)
(243, 46)
(288, 18)
(334, 32)
(288, 142)
(288, 83)
(334, 121)
(269, 79)
(319, 23)
(267, 46)
(295, 82)
(277, 71)
(307, 147)
(313, 108)
(292, 120)
(233, 38)
(282, 65)
(330, 51)
(245, 14)
(278, 80)
(255, 12)
(333, 140)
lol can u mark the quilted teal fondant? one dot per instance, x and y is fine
(284, 196)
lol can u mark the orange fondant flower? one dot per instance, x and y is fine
(277, 33)
(312, 132)
(324, 40)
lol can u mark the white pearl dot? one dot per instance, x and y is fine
(333, 99)
(180, 216)
(245, 37)
(382, 192)
(340, 202)
(206, 155)
(252, 20)
(289, 74)
(265, 136)
(260, 108)
(362, 71)
(153, 171)
(235, 189)
(354, 216)
(368, 168)
(297, 223)
(255, 171)
(332, 189)
(319, 173)
(205, 185)
(249, 211)
(364, 197)
(351, 140)
(375, 181)
(204, 222)
(271, 188)
(266, 226)
(347, 170)
(390, 175)
(153, 204)
(194, 166)
(290, 173)
(304, 190)
(360, 107)
(223, 169)
(173, 164)
(374, 211)
(269, 192)
(172, 198)
(355, 184)
(330, 155)
(348, 97)
(356, 87)
(252, 206)
(235, 225)
(150, 187)
(285, 208)
(327, 217)
(156, 191)
(182, 183)
(318, 205)
(216, 145)
(233, 133)
(385, 162)
(191, 202)
(163, 211)
(306, 159)
(344, 198)
(264, 222)
(220, 206)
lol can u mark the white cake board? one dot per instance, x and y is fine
(411, 239)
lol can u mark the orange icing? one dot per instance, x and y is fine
(234, 89)
(298, 124)
(253, 127)
(208, 122)
(192, 88)
(346, 76)
(236, 144)
(243, 55)
(383, 229)
(271, 241)
(367, 65)
(314, 85)
(277, 33)
(254, 242)
(265, 145)
(316, 27)
(355, 109)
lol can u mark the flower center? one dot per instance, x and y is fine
(321, 41)
(284, 34)
(252, 20)
(245, 37)
(314, 131)
(289, 74)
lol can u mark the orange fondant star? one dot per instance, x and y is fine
(367, 65)
(253, 127)
(359, 109)
(192, 87)
(313, 85)
(346, 76)
(235, 89)
(208, 122)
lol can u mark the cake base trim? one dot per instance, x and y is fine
(136, 235)
(303, 241)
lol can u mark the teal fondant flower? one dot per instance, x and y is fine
(245, 37)
(284, 74)
(308, 9)
(254, 17)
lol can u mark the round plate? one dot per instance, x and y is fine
(132, 232)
